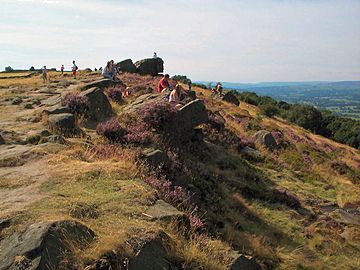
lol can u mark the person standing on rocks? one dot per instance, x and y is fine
(189, 83)
(164, 83)
(45, 75)
(62, 70)
(155, 55)
(74, 69)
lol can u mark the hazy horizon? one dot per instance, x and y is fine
(233, 41)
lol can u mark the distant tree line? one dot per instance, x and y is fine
(322, 122)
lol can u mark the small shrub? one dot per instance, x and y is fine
(77, 104)
(111, 130)
(269, 109)
(138, 133)
(9, 69)
(158, 115)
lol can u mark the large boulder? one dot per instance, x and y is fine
(231, 98)
(99, 105)
(266, 139)
(126, 66)
(190, 116)
(63, 122)
(151, 252)
(150, 66)
(103, 83)
(42, 245)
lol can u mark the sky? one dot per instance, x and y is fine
(213, 40)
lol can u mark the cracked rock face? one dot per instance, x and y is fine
(42, 245)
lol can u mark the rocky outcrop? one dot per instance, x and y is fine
(190, 116)
(266, 139)
(243, 262)
(126, 66)
(56, 109)
(151, 252)
(150, 66)
(231, 98)
(155, 157)
(16, 101)
(163, 211)
(63, 122)
(143, 101)
(53, 139)
(42, 245)
(99, 105)
(104, 83)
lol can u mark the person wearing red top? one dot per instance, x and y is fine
(163, 83)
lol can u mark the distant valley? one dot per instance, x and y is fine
(341, 97)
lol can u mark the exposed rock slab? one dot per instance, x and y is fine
(63, 122)
(243, 262)
(42, 245)
(155, 157)
(163, 211)
(103, 83)
(56, 109)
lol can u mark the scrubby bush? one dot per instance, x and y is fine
(111, 130)
(269, 109)
(77, 104)
(138, 133)
(115, 94)
(180, 78)
(200, 85)
(32, 68)
(9, 69)
(158, 115)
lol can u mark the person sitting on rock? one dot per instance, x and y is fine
(45, 75)
(176, 96)
(110, 71)
(164, 83)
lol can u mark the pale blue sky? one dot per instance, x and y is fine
(228, 40)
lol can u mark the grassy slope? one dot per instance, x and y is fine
(113, 197)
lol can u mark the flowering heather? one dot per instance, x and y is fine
(158, 115)
(77, 104)
(278, 136)
(173, 195)
(138, 133)
(115, 94)
(176, 195)
(293, 136)
(111, 130)
(196, 222)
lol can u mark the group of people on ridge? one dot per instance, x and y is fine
(45, 72)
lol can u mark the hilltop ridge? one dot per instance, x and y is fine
(135, 184)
